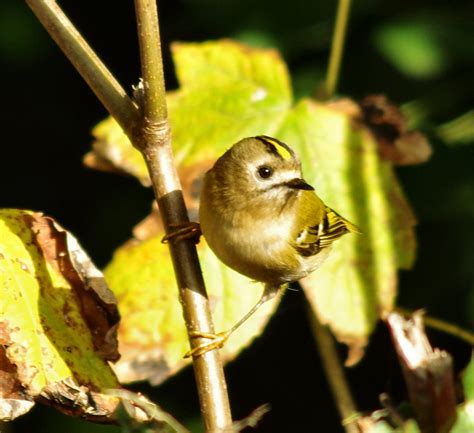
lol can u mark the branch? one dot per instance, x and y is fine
(153, 139)
(334, 373)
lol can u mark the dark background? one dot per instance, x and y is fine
(416, 50)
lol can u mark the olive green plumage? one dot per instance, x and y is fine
(262, 219)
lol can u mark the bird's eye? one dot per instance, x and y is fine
(265, 172)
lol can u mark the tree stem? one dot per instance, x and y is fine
(335, 373)
(337, 48)
(153, 139)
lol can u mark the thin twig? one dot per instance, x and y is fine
(337, 48)
(80, 54)
(154, 141)
(334, 373)
(441, 325)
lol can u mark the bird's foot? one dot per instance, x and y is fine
(216, 342)
(183, 231)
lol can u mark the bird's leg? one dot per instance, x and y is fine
(218, 340)
(183, 231)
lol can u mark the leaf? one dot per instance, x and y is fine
(112, 151)
(369, 425)
(396, 144)
(413, 46)
(465, 419)
(468, 380)
(357, 283)
(58, 320)
(459, 130)
(229, 91)
(152, 334)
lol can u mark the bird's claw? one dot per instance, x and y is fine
(183, 231)
(217, 341)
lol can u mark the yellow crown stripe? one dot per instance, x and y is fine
(282, 149)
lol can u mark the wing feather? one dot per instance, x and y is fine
(313, 239)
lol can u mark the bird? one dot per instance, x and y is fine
(262, 219)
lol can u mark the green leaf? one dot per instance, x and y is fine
(358, 281)
(57, 318)
(465, 419)
(459, 130)
(230, 91)
(413, 46)
(227, 92)
(468, 381)
(152, 334)
(113, 151)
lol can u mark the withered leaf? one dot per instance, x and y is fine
(389, 125)
(58, 321)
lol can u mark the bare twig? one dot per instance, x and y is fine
(154, 141)
(337, 48)
(335, 374)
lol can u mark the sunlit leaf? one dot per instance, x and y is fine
(229, 91)
(112, 151)
(57, 319)
(152, 334)
(357, 284)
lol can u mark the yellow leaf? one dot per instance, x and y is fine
(152, 335)
(57, 317)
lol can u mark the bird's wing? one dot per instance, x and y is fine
(314, 238)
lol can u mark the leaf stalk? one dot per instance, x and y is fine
(334, 373)
(337, 48)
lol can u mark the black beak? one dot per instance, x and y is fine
(297, 183)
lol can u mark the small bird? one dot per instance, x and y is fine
(261, 218)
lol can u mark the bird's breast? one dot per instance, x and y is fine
(259, 248)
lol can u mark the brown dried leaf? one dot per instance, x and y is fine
(98, 304)
(389, 126)
(14, 402)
